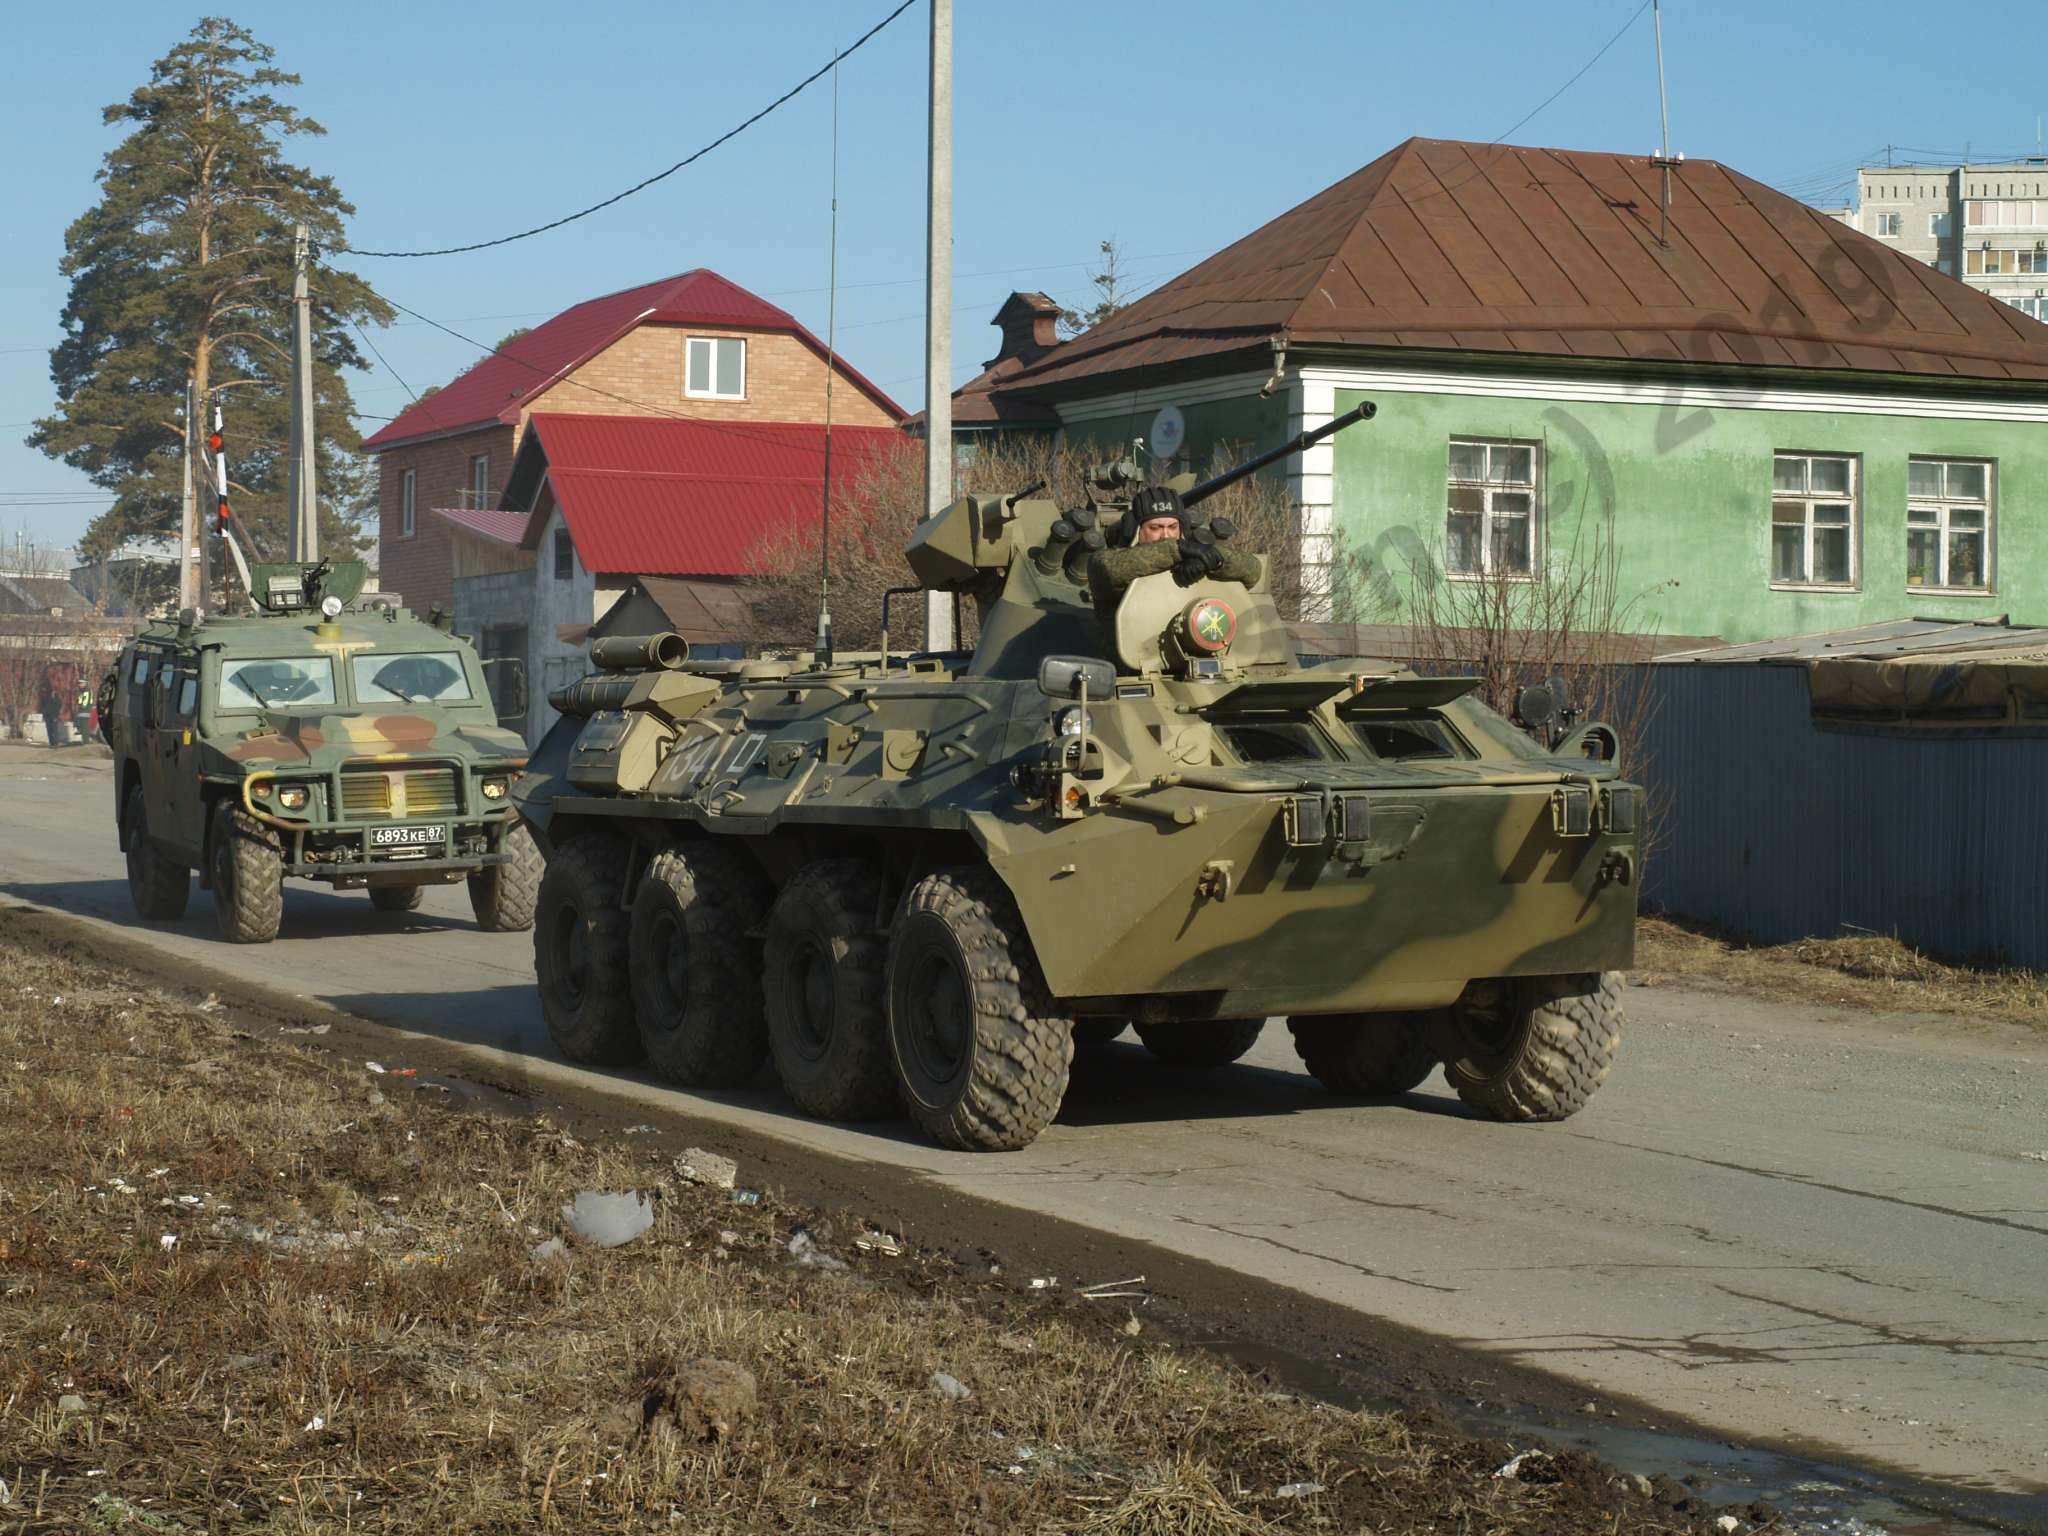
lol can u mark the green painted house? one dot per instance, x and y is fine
(1775, 424)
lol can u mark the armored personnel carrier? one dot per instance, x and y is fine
(915, 880)
(350, 744)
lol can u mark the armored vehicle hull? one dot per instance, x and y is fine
(357, 748)
(918, 882)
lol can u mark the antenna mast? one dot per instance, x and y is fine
(824, 641)
(1664, 159)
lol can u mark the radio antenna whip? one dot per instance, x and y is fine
(824, 642)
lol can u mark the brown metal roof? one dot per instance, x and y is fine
(1498, 248)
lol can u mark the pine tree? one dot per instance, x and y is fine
(182, 271)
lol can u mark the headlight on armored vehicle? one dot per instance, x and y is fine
(292, 797)
(1071, 721)
(494, 789)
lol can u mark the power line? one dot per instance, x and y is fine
(1533, 111)
(617, 197)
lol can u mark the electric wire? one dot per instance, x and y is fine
(619, 197)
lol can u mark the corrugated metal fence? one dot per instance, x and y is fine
(1778, 830)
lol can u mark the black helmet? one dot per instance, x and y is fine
(1149, 502)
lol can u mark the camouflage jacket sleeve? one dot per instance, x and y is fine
(1114, 569)
(1238, 565)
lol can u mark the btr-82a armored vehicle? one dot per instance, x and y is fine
(917, 880)
(355, 745)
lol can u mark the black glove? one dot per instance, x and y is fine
(1197, 562)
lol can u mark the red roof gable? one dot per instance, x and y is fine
(656, 497)
(499, 386)
(486, 522)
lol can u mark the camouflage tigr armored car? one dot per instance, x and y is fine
(354, 745)
(918, 881)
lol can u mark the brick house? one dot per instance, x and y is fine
(693, 346)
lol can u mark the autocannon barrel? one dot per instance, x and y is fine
(1363, 411)
(589, 695)
(622, 653)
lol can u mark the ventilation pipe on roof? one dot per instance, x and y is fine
(1279, 366)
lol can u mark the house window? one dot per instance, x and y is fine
(1948, 524)
(1938, 225)
(406, 513)
(717, 368)
(480, 480)
(1887, 225)
(1813, 521)
(565, 555)
(1490, 526)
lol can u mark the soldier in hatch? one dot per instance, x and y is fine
(1163, 540)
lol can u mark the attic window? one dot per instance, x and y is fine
(717, 368)
(565, 555)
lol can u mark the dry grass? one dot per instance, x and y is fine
(349, 1331)
(1865, 970)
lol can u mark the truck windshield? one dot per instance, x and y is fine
(276, 680)
(382, 678)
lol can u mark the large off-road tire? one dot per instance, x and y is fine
(579, 952)
(503, 896)
(246, 864)
(1374, 1055)
(1534, 1049)
(696, 973)
(980, 1047)
(821, 981)
(397, 898)
(1089, 1034)
(158, 886)
(1201, 1043)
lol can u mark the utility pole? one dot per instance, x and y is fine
(191, 588)
(938, 309)
(304, 541)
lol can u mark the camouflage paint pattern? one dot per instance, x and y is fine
(192, 751)
(1160, 866)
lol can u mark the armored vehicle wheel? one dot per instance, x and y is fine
(1534, 1049)
(247, 867)
(1090, 1033)
(1203, 1043)
(1376, 1055)
(579, 952)
(158, 887)
(822, 983)
(981, 1049)
(696, 975)
(503, 895)
(397, 898)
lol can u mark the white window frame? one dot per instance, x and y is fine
(1488, 491)
(711, 345)
(1888, 226)
(1938, 226)
(1935, 513)
(1810, 499)
(479, 481)
(408, 505)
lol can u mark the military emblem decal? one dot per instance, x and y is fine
(1212, 625)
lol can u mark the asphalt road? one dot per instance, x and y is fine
(1789, 1223)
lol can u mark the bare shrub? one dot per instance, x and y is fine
(1567, 617)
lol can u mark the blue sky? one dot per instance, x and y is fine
(1172, 127)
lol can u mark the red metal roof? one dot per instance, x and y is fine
(486, 522)
(499, 386)
(1497, 248)
(683, 498)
